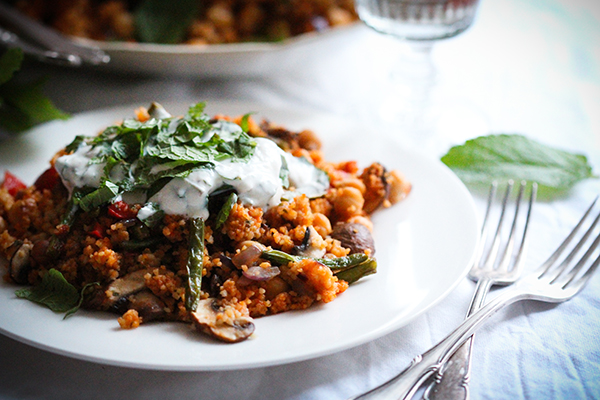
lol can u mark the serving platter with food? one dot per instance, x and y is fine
(197, 38)
(241, 227)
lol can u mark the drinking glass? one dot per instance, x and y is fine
(406, 99)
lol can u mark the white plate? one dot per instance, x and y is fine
(250, 59)
(424, 248)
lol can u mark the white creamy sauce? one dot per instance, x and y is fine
(257, 182)
(76, 171)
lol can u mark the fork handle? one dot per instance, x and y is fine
(452, 380)
(404, 385)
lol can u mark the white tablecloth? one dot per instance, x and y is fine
(525, 67)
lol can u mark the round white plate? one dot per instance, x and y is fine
(251, 59)
(424, 247)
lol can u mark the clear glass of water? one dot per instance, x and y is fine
(420, 24)
(418, 20)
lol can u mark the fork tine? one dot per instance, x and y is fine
(521, 252)
(583, 280)
(503, 265)
(566, 279)
(485, 226)
(547, 265)
(488, 262)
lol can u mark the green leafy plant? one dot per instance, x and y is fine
(502, 157)
(22, 104)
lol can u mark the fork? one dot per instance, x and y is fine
(488, 269)
(554, 281)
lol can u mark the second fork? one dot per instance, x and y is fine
(489, 269)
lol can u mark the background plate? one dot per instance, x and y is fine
(252, 59)
(424, 248)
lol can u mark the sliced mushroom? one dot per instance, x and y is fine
(20, 262)
(354, 236)
(129, 284)
(147, 304)
(309, 248)
(212, 319)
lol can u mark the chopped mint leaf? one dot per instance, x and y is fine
(106, 192)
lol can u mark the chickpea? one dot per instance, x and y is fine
(359, 219)
(321, 224)
(348, 202)
(351, 182)
(308, 140)
(399, 187)
(250, 19)
(220, 15)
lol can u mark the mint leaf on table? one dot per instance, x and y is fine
(22, 104)
(166, 22)
(502, 157)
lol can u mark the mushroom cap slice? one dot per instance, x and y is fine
(129, 284)
(212, 319)
(354, 236)
(20, 262)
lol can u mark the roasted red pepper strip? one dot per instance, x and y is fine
(12, 184)
(48, 180)
(121, 210)
(97, 232)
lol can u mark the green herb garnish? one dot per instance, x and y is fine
(144, 156)
(22, 104)
(55, 293)
(502, 157)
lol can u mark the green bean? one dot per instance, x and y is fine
(353, 274)
(279, 257)
(349, 268)
(195, 263)
(341, 263)
(338, 263)
(140, 244)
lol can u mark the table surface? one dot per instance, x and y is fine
(526, 67)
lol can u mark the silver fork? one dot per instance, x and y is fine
(489, 269)
(554, 281)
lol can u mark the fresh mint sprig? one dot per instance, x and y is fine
(501, 157)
